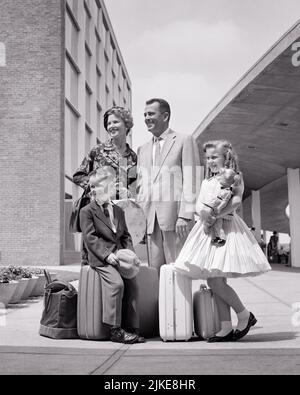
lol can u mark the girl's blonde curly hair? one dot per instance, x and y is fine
(225, 147)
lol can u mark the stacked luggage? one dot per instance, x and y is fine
(167, 306)
(180, 312)
(89, 316)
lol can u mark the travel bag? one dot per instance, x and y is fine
(206, 318)
(59, 317)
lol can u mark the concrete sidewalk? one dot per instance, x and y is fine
(271, 347)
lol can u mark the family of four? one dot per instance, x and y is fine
(164, 178)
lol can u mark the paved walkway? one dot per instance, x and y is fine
(271, 347)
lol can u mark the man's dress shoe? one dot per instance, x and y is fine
(136, 331)
(118, 335)
(227, 338)
(239, 334)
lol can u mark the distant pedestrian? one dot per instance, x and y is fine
(282, 255)
(273, 248)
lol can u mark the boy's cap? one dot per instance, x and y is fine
(129, 263)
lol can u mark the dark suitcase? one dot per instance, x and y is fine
(148, 301)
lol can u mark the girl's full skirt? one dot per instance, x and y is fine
(240, 256)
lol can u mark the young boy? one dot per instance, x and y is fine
(105, 232)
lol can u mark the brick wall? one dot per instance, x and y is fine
(31, 132)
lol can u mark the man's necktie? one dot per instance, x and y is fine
(157, 152)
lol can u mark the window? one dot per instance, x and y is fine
(88, 4)
(129, 98)
(98, 52)
(87, 29)
(108, 100)
(99, 23)
(114, 87)
(87, 106)
(73, 4)
(71, 142)
(119, 72)
(87, 66)
(106, 70)
(100, 127)
(106, 38)
(98, 87)
(88, 140)
(71, 38)
(71, 83)
(120, 95)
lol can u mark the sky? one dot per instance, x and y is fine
(192, 52)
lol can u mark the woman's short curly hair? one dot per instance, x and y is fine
(122, 113)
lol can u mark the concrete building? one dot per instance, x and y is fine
(260, 115)
(61, 68)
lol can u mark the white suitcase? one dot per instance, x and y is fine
(175, 305)
(206, 318)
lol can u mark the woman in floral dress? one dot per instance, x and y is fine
(115, 153)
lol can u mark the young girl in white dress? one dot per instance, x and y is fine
(240, 256)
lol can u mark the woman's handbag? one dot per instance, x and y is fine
(59, 318)
(74, 225)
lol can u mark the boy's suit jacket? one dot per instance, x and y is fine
(98, 235)
(176, 181)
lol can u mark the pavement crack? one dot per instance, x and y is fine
(112, 360)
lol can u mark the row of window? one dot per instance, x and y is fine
(105, 81)
(107, 59)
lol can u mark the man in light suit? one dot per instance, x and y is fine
(167, 185)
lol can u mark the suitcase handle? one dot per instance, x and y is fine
(47, 276)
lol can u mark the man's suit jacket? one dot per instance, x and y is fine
(172, 189)
(98, 235)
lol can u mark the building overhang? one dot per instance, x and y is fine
(260, 115)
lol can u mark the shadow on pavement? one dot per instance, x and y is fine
(270, 337)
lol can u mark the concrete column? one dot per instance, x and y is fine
(256, 215)
(294, 203)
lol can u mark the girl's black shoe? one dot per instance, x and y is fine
(239, 334)
(227, 338)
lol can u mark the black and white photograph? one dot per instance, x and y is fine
(150, 190)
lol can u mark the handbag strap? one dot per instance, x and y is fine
(48, 277)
